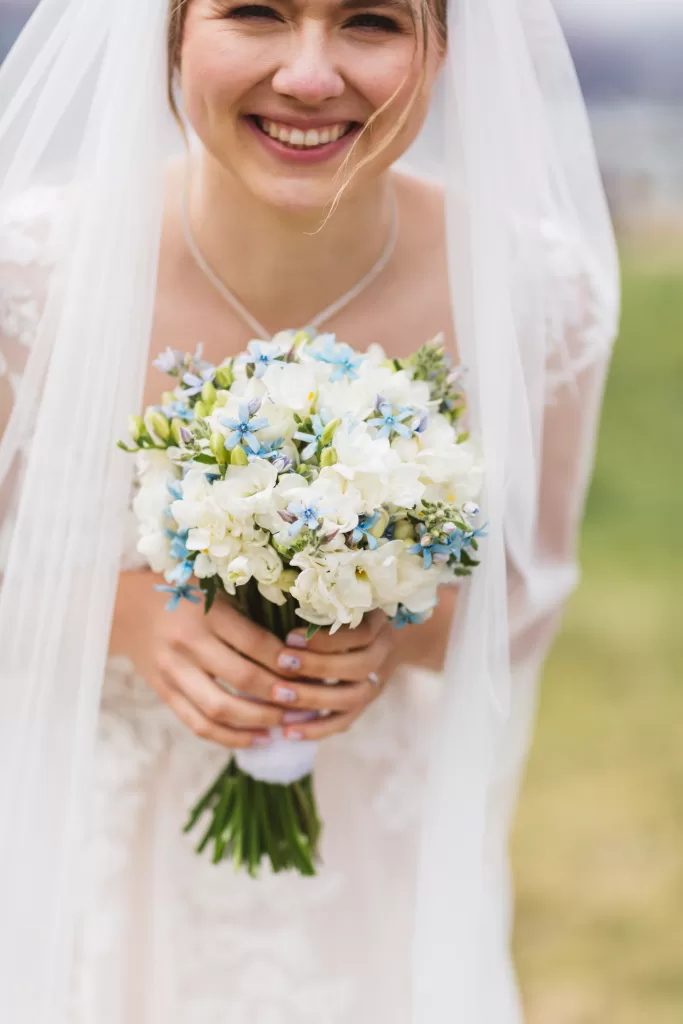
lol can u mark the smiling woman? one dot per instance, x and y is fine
(391, 75)
(114, 715)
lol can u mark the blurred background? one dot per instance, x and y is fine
(598, 843)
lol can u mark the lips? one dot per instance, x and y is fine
(299, 137)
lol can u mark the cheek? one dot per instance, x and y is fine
(387, 71)
(217, 71)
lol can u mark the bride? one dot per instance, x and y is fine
(283, 181)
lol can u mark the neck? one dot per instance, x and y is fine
(278, 264)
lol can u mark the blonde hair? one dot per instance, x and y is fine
(430, 17)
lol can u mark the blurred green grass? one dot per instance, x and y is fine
(598, 842)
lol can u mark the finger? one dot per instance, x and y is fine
(213, 701)
(352, 666)
(344, 639)
(342, 697)
(322, 728)
(243, 635)
(223, 662)
(204, 728)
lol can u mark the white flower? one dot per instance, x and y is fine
(246, 490)
(292, 386)
(155, 545)
(375, 470)
(208, 524)
(332, 589)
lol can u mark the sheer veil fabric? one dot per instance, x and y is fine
(535, 297)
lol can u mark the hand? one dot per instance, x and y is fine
(361, 658)
(181, 654)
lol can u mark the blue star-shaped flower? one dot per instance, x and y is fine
(178, 594)
(179, 549)
(365, 524)
(345, 361)
(243, 429)
(318, 423)
(304, 516)
(178, 410)
(195, 382)
(390, 421)
(169, 361)
(405, 618)
(260, 358)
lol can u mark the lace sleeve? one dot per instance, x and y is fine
(26, 255)
(575, 380)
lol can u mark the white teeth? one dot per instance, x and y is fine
(300, 139)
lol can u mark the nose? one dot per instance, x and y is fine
(307, 73)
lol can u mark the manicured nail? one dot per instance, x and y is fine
(284, 694)
(261, 741)
(296, 640)
(294, 734)
(289, 662)
(374, 679)
(296, 717)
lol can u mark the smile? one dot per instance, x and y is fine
(298, 139)
(322, 141)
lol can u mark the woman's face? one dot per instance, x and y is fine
(278, 91)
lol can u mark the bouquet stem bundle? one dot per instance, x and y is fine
(250, 820)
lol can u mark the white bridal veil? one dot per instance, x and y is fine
(534, 282)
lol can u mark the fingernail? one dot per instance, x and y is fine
(296, 717)
(289, 662)
(296, 640)
(261, 741)
(284, 693)
(294, 734)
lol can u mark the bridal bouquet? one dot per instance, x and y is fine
(306, 483)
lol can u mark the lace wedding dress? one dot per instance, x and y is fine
(164, 935)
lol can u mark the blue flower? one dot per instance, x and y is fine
(195, 382)
(179, 549)
(178, 410)
(260, 357)
(318, 423)
(178, 594)
(390, 421)
(403, 617)
(243, 428)
(365, 524)
(268, 450)
(304, 516)
(175, 490)
(180, 576)
(342, 357)
(169, 361)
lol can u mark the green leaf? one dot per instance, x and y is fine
(312, 630)
(206, 460)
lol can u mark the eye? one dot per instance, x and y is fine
(374, 22)
(255, 11)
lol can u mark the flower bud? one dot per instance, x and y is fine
(471, 509)
(176, 429)
(329, 457)
(449, 528)
(222, 398)
(301, 336)
(328, 432)
(426, 540)
(218, 448)
(136, 427)
(287, 579)
(238, 456)
(208, 393)
(224, 378)
(381, 525)
(159, 424)
(404, 530)
(200, 410)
